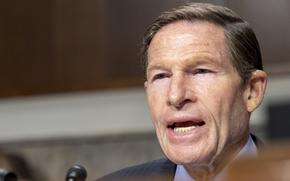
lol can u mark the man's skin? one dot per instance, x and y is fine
(199, 104)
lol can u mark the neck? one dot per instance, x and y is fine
(209, 171)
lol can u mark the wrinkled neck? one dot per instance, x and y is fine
(210, 171)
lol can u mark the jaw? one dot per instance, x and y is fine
(194, 146)
(201, 146)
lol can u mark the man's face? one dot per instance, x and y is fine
(195, 95)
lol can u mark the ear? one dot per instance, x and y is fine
(145, 84)
(255, 90)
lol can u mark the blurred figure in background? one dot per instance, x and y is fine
(17, 164)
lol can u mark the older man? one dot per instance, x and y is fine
(204, 79)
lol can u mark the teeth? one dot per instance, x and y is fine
(183, 129)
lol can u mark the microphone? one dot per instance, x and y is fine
(7, 176)
(76, 173)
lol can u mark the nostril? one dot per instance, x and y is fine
(182, 103)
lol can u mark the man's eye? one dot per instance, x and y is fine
(202, 71)
(159, 76)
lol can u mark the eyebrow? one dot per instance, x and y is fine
(191, 62)
(156, 67)
(202, 59)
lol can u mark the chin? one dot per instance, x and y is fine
(188, 155)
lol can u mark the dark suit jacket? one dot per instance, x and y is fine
(158, 170)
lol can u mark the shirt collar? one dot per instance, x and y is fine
(249, 149)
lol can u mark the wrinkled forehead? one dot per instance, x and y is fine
(183, 38)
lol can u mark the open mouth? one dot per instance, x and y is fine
(186, 126)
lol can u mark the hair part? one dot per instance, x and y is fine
(241, 40)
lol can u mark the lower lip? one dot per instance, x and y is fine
(184, 137)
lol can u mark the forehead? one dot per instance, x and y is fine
(182, 39)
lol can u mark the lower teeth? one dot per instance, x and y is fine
(183, 129)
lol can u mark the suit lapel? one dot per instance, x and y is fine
(166, 170)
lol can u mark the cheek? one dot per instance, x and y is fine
(214, 98)
(230, 113)
(155, 99)
(223, 102)
(221, 97)
(239, 119)
(157, 96)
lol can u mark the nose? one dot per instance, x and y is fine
(179, 93)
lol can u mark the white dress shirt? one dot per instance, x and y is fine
(249, 149)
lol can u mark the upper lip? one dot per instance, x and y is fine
(182, 118)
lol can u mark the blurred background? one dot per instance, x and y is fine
(71, 81)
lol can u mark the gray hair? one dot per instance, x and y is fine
(240, 38)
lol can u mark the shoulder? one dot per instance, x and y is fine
(162, 169)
